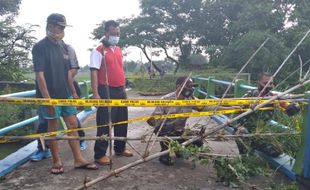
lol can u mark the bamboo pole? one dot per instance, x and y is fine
(142, 139)
(234, 79)
(219, 127)
(284, 62)
(10, 138)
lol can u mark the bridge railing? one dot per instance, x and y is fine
(293, 168)
(21, 156)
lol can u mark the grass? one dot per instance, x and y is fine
(81, 76)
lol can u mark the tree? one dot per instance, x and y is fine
(227, 31)
(162, 24)
(15, 42)
(237, 53)
(224, 22)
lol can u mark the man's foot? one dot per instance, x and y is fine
(87, 166)
(83, 145)
(40, 155)
(57, 169)
(103, 160)
(125, 153)
(166, 160)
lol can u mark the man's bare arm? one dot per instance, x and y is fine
(42, 84)
(94, 83)
(71, 74)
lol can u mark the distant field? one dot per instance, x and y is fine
(81, 76)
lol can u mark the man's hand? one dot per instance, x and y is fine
(95, 96)
(75, 96)
(151, 121)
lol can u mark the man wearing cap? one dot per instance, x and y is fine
(51, 65)
(175, 126)
(257, 121)
(108, 81)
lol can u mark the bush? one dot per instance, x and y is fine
(13, 113)
(165, 85)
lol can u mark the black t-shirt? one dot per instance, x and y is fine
(52, 59)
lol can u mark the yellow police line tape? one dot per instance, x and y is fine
(133, 102)
(189, 114)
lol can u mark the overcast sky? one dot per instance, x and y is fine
(82, 15)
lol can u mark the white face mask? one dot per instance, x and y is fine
(57, 37)
(113, 40)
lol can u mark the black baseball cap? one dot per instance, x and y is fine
(57, 18)
(189, 83)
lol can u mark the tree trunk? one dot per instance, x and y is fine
(172, 59)
(149, 59)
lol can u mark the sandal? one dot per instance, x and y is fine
(87, 166)
(57, 170)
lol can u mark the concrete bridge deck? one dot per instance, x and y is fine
(150, 175)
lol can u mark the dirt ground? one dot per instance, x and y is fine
(150, 175)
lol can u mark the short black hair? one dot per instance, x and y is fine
(263, 74)
(189, 81)
(110, 23)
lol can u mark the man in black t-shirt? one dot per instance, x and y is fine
(52, 81)
(41, 154)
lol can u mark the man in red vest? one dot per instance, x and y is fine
(108, 82)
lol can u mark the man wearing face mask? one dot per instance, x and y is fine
(108, 81)
(255, 121)
(51, 65)
(176, 126)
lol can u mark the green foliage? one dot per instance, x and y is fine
(231, 171)
(10, 114)
(228, 32)
(15, 43)
(282, 186)
(291, 143)
(189, 152)
(237, 53)
(9, 6)
(156, 85)
(13, 113)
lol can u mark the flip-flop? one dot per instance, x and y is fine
(87, 166)
(57, 170)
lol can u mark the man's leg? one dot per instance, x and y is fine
(79, 125)
(81, 134)
(69, 115)
(40, 153)
(53, 126)
(71, 122)
(120, 130)
(101, 145)
(102, 118)
(43, 126)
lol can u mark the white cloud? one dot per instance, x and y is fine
(82, 15)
